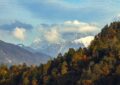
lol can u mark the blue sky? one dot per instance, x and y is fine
(45, 17)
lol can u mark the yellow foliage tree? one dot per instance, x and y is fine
(64, 68)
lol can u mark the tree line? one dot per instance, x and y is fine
(99, 64)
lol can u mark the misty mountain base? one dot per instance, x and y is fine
(99, 64)
(15, 54)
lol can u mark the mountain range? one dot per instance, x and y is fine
(39, 52)
(97, 64)
(53, 49)
(18, 54)
(15, 54)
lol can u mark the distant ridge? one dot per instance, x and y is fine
(15, 54)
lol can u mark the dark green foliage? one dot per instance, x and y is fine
(99, 64)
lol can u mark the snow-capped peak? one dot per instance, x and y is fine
(85, 40)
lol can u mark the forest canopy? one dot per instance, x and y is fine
(99, 64)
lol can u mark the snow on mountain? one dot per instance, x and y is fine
(85, 40)
(53, 49)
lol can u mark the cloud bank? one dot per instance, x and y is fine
(52, 36)
(69, 30)
(77, 26)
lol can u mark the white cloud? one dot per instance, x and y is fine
(74, 22)
(19, 33)
(77, 26)
(52, 36)
(57, 33)
(85, 40)
(71, 26)
(88, 28)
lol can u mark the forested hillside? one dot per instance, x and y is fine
(99, 64)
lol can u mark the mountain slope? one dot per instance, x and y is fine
(99, 64)
(108, 40)
(54, 49)
(13, 54)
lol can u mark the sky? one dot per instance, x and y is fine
(54, 21)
